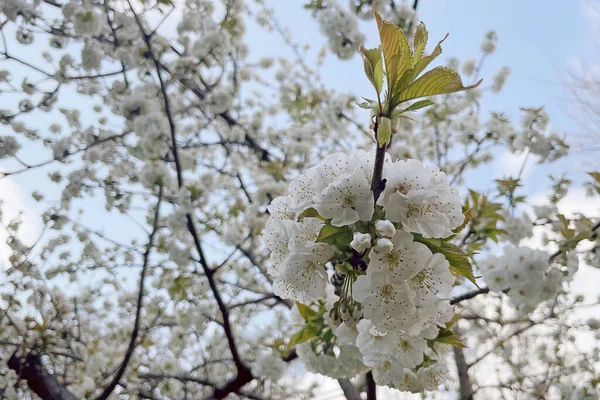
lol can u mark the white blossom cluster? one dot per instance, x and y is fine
(391, 305)
(341, 29)
(527, 274)
(516, 229)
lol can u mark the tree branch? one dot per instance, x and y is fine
(469, 295)
(39, 380)
(140, 299)
(371, 387)
(465, 388)
(349, 390)
(243, 372)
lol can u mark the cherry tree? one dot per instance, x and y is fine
(263, 228)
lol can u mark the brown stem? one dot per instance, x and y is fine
(348, 388)
(371, 387)
(138, 313)
(469, 295)
(465, 388)
(378, 183)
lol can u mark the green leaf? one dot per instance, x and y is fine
(396, 53)
(459, 262)
(440, 80)
(432, 243)
(454, 319)
(338, 236)
(468, 217)
(595, 175)
(328, 336)
(418, 105)
(307, 313)
(449, 337)
(308, 332)
(411, 74)
(460, 265)
(373, 67)
(384, 132)
(310, 213)
(419, 43)
(329, 230)
(425, 61)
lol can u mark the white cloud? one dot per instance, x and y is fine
(509, 164)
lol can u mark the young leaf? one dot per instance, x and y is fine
(595, 175)
(306, 312)
(419, 43)
(396, 52)
(459, 261)
(418, 105)
(440, 80)
(308, 332)
(448, 337)
(384, 133)
(373, 67)
(310, 213)
(468, 217)
(338, 236)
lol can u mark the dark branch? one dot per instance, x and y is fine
(371, 387)
(469, 295)
(39, 380)
(140, 300)
(349, 390)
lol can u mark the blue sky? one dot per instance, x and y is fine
(541, 41)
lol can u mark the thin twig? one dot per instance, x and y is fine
(140, 299)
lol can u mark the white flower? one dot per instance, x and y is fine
(269, 365)
(341, 28)
(403, 261)
(528, 274)
(302, 189)
(385, 228)
(277, 236)
(332, 168)
(346, 334)
(351, 360)
(372, 340)
(432, 377)
(360, 241)
(409, 350)
(280, 209)
(420, 198)
(346, 200)
(386, 299)
(517, 228)
(386, 368)
(303, 277)
(433, 282)
(409, 382)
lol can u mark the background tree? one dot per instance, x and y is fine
(154, 117)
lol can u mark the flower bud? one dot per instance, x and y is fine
(385, 228)
(593, 323)
(383, 246)
(334, 316)
(360, 241)
(344, 309)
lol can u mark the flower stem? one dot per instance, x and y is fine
(378, 183)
